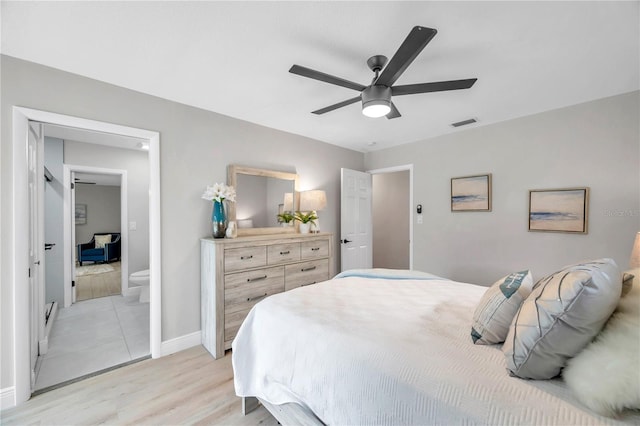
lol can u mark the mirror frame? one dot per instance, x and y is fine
(232, 179)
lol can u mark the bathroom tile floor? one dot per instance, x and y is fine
(92, 335)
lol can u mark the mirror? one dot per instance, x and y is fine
(260, 196)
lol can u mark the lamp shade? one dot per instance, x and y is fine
(635, 253)
(288, 202)
(313, 200)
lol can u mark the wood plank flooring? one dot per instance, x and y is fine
(99, 285)
(189, 387)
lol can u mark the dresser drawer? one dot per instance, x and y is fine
(236, 259)
(305, 273)
(245, 289)
(314, 249)
(283, 253)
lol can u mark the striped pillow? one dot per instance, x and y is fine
(498, 306)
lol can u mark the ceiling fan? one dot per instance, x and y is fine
(376, 97)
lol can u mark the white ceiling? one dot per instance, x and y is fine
(233, 57)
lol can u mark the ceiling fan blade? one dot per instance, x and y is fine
(438, 86)
(317, 75)
(394, 113)
(336, 106)
(411, 47)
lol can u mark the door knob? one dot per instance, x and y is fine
(345, 241)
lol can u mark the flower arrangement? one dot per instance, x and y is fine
(220, 192)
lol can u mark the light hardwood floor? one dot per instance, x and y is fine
(189, 387)
(99, 285)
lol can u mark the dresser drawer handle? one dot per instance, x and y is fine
(315, 248)
(308, 269)
(251, 299)
(250, 280)
(246, 257)
(285, 252)
(308, 284)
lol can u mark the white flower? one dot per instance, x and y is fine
(219, 192)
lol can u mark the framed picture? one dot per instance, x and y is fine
(471, 193)
(81, 214)
(559, 210)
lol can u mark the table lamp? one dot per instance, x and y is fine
(313, 200)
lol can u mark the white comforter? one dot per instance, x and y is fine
(360, 351)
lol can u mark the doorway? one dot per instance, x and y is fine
(358, 198)
(391, 220)
(23, 263)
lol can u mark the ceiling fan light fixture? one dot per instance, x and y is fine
(376, 101)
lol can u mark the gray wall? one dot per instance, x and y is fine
(54, 221)
(136, 163)
(596, 144)
(103, 210)
(195, 148)
(390, 217)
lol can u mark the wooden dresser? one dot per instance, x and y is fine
(237, 273)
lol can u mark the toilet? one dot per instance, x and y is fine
(141, 278)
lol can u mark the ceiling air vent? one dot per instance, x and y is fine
(464, 122)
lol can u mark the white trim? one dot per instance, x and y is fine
(69, 217)
(401, 169)
(181, 343)
(7, 398)
(19, 259)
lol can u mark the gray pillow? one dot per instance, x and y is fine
(563, 313)
(498, 306)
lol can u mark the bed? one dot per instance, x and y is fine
(389, 348)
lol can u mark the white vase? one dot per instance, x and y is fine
(304, 227)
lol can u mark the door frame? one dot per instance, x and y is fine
(402, 168)
(19, 259)
(69, 218)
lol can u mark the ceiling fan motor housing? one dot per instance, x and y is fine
(376, 95)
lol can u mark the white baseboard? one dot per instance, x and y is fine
(181, 343)
(7, 397)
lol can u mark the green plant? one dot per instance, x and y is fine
(285, 217)
(306, 217)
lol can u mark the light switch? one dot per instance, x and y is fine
(132, 226)
(419, 219)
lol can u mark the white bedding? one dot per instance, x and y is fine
(360, 351)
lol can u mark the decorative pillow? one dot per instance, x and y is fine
(498, 306)
(604, 376)
(563, 313)
(101, 240)
(627, 282)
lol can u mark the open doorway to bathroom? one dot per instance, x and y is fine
(101, 322)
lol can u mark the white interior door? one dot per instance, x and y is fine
(36, 241)
(74, 251)
(355, 220)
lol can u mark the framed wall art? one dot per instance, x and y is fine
(81, 214)
(471, 193)
(559, 210)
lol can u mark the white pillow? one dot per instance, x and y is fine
(101, 240)
(563, 313)
(605, 376)
(498, 306)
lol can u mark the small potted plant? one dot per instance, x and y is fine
(286, 218)
(306, 219)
